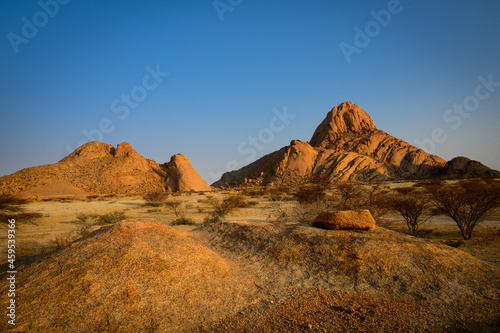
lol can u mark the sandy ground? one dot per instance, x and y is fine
(60, 219)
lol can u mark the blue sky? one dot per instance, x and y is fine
(427, 72)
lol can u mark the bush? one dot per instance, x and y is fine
(278, 214)
(467, 202)
(307, 212)
(110, 218)
(310, 193)
(183, 220)
(212, 218)
(155, 199)
(61, 242)
(352, 196)
(175, 206)
(84, 230)
(11, 207)
(223, 207)
(84, 218)
(412, 206)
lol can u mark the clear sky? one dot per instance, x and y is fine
(225, 82)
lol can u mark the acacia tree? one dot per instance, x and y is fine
(412, 206)
(466, 202)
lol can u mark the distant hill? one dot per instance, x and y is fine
(97, 167)
(348, 146)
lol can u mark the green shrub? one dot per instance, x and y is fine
(110, 218)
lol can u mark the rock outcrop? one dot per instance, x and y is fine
(345, 220)
(96, 167)
(462, 167)
(348, 146)
(181, 176)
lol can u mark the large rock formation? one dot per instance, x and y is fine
(182, 176)
(348, 146)
(96, 167)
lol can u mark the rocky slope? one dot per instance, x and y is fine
(96, 167)
(348, 146)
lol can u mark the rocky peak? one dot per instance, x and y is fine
(342, 119)
(124, 149)
(90, 150)
(181, 176)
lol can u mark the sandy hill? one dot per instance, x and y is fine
(348, 146)
(101, 168)
(143, 276)
(136, 276)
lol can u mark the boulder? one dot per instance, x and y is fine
(345, 220)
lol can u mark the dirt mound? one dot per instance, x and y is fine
(377, 262)
(100, 168)
(135, 276)
(328, 311)
(345, 220)
(55, 189)
(348, 146)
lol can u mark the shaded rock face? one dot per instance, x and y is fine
(97, 167)
(462, 167)
(348, 146)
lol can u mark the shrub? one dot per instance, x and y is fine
(278, 214)
(351, 196)
(212, 218)
(175, 206)
(110, 218)
(310, 193)
(182, 220)
(412, 206)
(467, 202)
(84, 230)
(223, 207)
(84, 218)
(11, 207)
(307, 212)
(155, 199)
(61, 242)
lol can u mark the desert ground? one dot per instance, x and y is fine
(60, 219)
(276, 285)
